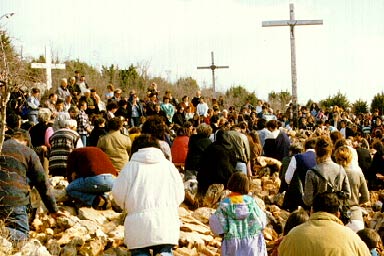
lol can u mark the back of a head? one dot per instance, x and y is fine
(204, 129)
(13, 120)
(323, 146)
(310, 143)
(155, 126)
(370, 237)
(239, 183)
(343, 155)
(295, 219)
(326, 202)
(144, 141)
(115, 124)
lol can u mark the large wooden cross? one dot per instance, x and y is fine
(213, 67)
(48, 66)
(292, 23)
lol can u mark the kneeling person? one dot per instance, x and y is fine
(90, 174)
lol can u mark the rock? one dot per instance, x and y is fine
(53, 247)
(203, 214)
(33, 248)
(86, 213)
(5, 246)
(116, 237)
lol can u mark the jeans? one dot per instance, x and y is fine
(16, 220)
(135, 121)
(86, 189)
(240, 166)
(163, 249)
(83, 138)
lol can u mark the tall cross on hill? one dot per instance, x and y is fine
(292, 23)
(48, 65)
(213, 67)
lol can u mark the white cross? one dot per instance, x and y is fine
(48, 65)
(292, 23)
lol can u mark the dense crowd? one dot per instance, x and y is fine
(94, 140)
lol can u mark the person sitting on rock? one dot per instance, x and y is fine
(90, 174)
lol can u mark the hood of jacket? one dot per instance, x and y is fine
(238, 206)
(148, 156)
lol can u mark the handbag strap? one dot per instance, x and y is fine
(317, 173)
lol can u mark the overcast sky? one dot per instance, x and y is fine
(344, 54)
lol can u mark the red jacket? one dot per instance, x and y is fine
(89, 162)
(179, 149)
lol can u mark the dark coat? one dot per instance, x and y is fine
(218, 163)
(197, 145)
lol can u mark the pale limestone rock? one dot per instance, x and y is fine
(203, 214)
(33, 248)
(91, 226)
(116, 237)
(86, 213)
(53, 247)
(5, 246)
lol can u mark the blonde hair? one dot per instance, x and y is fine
(343, 156)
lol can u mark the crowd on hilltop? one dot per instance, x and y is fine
(89, 139)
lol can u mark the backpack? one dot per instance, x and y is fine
(344, 208)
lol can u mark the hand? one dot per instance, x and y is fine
(55, 215)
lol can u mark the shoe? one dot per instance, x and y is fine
(101, 203)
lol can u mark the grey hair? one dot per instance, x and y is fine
(44, 115)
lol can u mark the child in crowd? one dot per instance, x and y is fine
(371, 238)
(239, 220)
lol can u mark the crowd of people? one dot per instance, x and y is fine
(115, 141)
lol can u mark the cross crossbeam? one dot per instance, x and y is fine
(292, 22)
(48, 66)
(213, 67)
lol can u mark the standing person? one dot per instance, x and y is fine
(332, 172)
(33, 103)
(217, 164)
(168, 109)
(240, 220)
(197, 145)
(83, 124)
(295, 175)
(150, 190)
(20, 169)
(136, 110)
(323, 234)
(359, 189)
(90, 175)
(115, 144)
(202, 108)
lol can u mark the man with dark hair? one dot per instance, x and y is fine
(324, 233)
(20, 168)
(295, 175)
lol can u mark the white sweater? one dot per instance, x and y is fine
(150, 189)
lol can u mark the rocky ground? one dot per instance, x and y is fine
(89, 232)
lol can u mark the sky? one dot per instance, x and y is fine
(173, 37)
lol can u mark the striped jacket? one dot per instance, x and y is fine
(63, 141)
(20, 169)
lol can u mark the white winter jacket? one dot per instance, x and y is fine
(150, 189)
